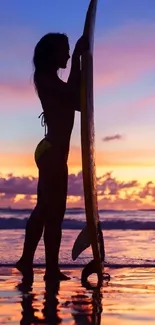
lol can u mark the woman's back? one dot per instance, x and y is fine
(58, 112)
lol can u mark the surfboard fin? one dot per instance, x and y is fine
(81, 243)
(89, 269)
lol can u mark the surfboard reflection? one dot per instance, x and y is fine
(87, 309)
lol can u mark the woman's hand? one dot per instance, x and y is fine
(81, 46)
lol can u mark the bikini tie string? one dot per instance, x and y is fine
(43, 122)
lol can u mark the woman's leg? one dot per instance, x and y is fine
(50, 210)
(53, 183)
(33, 234)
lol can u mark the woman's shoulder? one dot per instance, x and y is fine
(53, 84)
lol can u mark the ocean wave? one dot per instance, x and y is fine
(117, 224)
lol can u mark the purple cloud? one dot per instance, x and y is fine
(113, 137)
(75, 185)
(112, 193)
(107, 182)
(18, 185)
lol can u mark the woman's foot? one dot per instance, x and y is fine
(61, 276)
(26, 270)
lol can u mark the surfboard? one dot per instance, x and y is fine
(92, 234)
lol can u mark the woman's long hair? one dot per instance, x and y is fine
(46, 54)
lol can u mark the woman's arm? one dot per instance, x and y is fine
(74, 80)
(66, 94)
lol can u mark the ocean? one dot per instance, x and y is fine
(129, 236)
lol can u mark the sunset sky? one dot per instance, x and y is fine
(124, 91)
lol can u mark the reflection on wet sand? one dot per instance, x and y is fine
(31, 307)
(49, 312)
(86, 308)
(128, 297)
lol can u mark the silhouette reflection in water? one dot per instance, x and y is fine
(30, 303)
(85, 307)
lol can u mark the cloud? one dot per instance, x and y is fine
(147, 190)
(12, 185)
(110, 185)
(75, 185)
(112, 193)
(113, 137)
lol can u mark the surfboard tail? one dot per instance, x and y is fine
(91, 268)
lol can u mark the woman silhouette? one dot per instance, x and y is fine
(59, 101)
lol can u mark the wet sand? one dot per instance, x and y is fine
(128, 298)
